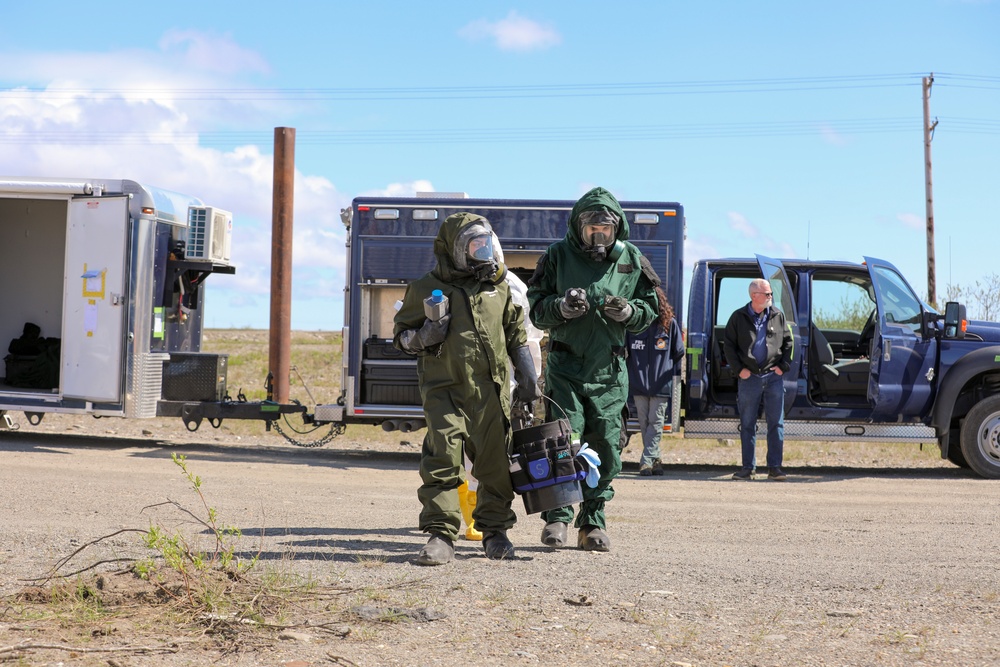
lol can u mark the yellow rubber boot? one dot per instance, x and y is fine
(467, 501)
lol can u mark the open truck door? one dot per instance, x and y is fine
(94, 298)
(902, 355)
(784, 299)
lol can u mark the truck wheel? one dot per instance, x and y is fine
(981, 437)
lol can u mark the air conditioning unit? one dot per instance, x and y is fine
(210, 234)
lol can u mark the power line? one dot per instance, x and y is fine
(946, 85)
(943, 80)
(966, 77)
(960, 125)
(588, 89)
(486, 134)
(14, 135)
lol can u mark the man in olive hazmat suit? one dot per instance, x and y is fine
(588, 290)
(462, 367)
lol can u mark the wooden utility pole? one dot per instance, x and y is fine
(929, 189)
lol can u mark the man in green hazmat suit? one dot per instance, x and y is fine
(462, 367)
(588, 290)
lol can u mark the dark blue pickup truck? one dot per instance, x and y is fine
(871, 360)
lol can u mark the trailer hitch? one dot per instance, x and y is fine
(191, 416)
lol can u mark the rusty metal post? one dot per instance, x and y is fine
(280, 340)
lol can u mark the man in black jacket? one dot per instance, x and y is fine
(758, 346)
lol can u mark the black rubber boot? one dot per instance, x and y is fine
(497, 546)
(554, 534)
(438, 551)
(592, 538)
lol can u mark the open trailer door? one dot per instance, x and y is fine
(94, 299)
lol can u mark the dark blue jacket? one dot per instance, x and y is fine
(741, 334)
(652, 357)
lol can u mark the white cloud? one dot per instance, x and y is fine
(739, 224)
(168, 78)
(912, 221)
(408, 189)
(746, 240)
(212, 53)
(135, 126)
(513, 33)
(832, 136)
(184, 60)
(782, 249)
(696, 249)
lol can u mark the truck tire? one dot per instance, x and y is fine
(981, 437)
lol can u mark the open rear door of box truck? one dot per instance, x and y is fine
(94, 299)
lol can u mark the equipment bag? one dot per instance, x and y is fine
(544, 455)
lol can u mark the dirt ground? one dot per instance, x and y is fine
(866, 556)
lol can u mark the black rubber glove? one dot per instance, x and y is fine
(525, 376)
(573, 304)
(619, 313)
(432, 333)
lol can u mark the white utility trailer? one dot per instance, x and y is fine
(102, 278)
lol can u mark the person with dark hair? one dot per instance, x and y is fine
(588, 290)
(463, 350)
(654, 357)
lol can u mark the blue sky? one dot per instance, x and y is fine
(787, 128)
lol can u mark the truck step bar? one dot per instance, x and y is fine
(806, 430)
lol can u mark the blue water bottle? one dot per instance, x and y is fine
(436, 305)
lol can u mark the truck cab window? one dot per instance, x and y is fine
(733, 292)
(902, 307)
(841, 304)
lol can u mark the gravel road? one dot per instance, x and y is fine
(837, 566)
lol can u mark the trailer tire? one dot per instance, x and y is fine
(981, 437)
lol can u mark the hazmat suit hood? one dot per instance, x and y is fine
(447, 269)
(597, 199)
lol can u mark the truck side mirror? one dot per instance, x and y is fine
(954, 320)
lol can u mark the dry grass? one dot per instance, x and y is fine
(797, 454)
(315, 368)
(316, 377)
(159, 595)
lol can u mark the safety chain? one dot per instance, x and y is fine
(335, 430)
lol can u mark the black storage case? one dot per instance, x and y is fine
(16, 365)
(385, 382)
(195, 376)
(382, 348)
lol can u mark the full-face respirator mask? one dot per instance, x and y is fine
(474, 252)
(598, 230)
